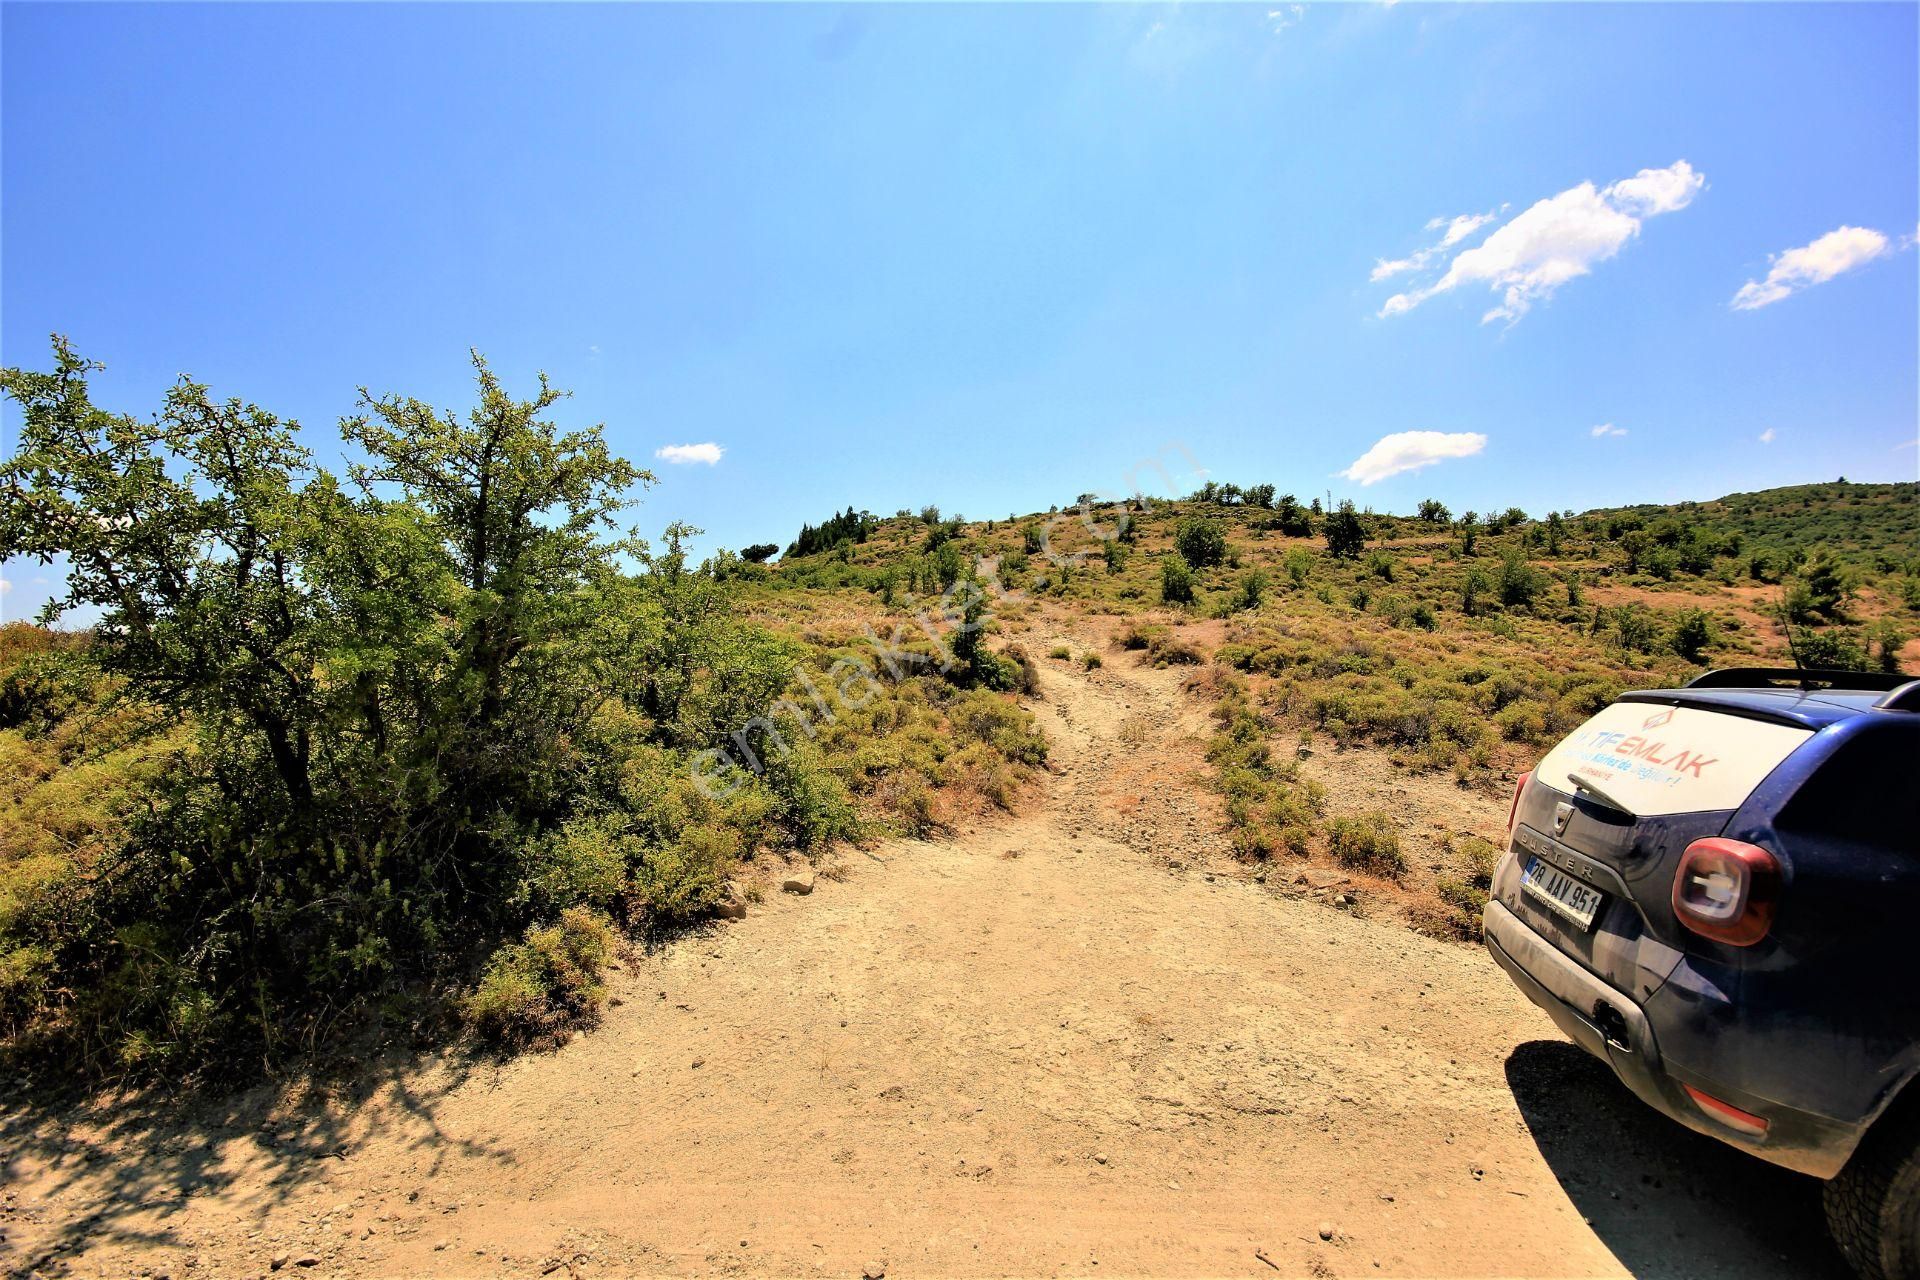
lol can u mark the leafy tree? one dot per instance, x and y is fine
(1520, 582)
(1346, 535)
(1691, 634)
(1469, 532)
(759, 552)
(1828, 584)
(848, 525)
(1292, 519)
(1259, 495)
(388, 681)
(1433, 511)
(1472, 589)
(1200, 542)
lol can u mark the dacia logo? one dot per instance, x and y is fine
(1657, 719)
(1562, 814)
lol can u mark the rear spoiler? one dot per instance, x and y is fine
(1902, 691)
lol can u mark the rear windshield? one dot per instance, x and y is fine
(1655, 760)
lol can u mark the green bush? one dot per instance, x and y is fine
(683, 880)
(1176, 581)
(536, 991)
(1201, 542)
(1367, 842)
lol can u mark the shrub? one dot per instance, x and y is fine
(1367, 842)
(1060, 651)
(538, 990)
(1346, 535)
(1090, 660)
(683, 880)
(1253, 586)
(813, 807)
(1200, 542)
(1520, 582)
(1176, 581)
(1691, 635)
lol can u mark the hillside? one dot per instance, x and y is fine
(1458, 647)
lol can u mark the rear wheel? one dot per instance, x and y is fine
(1873, 1207)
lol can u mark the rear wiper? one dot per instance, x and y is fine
(1581, 784)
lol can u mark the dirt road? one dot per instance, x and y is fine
(1079, 1042)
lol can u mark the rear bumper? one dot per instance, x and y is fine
(1611, 1027)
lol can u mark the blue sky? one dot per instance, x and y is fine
(994, 256)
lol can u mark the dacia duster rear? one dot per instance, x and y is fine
(1714, 890)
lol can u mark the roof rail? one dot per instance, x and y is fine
(1905, 698)
(1808, 678)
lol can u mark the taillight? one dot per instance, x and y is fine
(1513, 810)
(1727, 890)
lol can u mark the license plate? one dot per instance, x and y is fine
(1561, 893)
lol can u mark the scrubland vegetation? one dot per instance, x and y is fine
(1462, 645)
(341, 753)
(429, 741)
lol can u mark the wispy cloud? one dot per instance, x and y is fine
(1285, 16)
(1766, 437)
(1606, 429)
(1410, 451)
(5, 587)
(1457, 229)
(684, 454)
(1841, 250)
(1553, 241)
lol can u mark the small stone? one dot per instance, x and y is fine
(1099, 1157)
(307, 1260)
(800, 881)
(439, 1246)
(1326, 1231)
(874, 1270)
(280, 1260)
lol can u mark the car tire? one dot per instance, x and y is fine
(1873, 1206)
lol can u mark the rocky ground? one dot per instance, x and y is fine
(1079, 1041)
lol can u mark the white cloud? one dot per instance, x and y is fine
(1556, 240)
(1458, 229)
(1606, 429)
(1410, 451)
(1653, 191)
(683, 454)
(5, 586)
(1280, 19)
(1766, 437)
(1840, 250)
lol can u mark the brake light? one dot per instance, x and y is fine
(1513, 810)
(1726, 890)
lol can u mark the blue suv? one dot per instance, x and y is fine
(1711, 889)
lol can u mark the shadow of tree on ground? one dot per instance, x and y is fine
(122, 1168)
